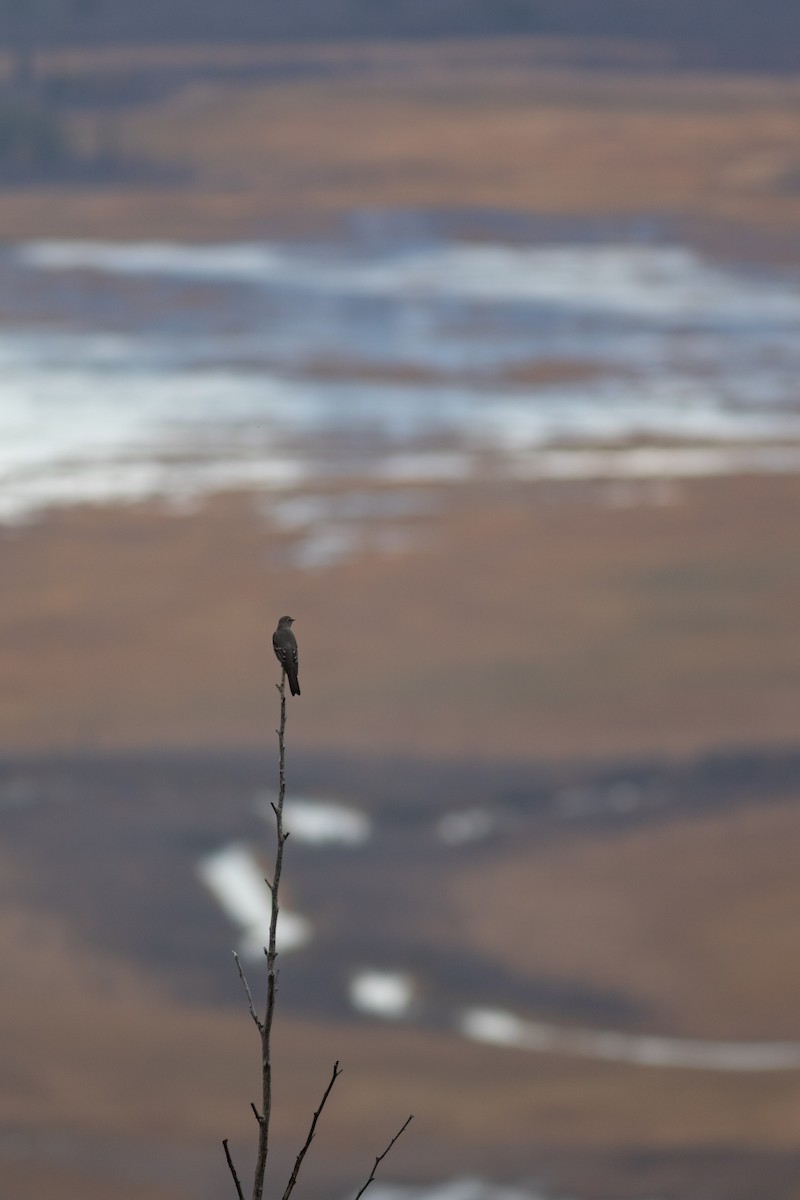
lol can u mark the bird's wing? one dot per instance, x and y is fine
(285, 647)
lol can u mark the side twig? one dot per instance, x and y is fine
(232, 1169)
(381, 1157)
(312, 1130)
(248, 993)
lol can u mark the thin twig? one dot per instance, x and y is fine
(232, 1169)
(248, 993)
(381, 1157)
(298, 1164)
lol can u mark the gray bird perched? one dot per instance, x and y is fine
(284, 643)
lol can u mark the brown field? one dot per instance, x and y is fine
(531, 621)
(506, 125)
(521, 623)
(112, 1081)
(568, 624)
(666, 909)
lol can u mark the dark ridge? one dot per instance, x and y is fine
(726, 34)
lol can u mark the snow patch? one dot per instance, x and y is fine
(386, 994)
(235, 878)
(500, 1028)
(320, 824)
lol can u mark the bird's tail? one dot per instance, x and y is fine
(294, 686)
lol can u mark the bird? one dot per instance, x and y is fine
(284, 643)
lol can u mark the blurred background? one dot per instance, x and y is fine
(469, 335)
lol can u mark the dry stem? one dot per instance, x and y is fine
(264, 1024)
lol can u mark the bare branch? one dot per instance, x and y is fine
(264, 1023)
(232, 1169)
(381, 1157)
(271, 950)
(298, 1164)
(248, 993)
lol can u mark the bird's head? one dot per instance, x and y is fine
(287, 621)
